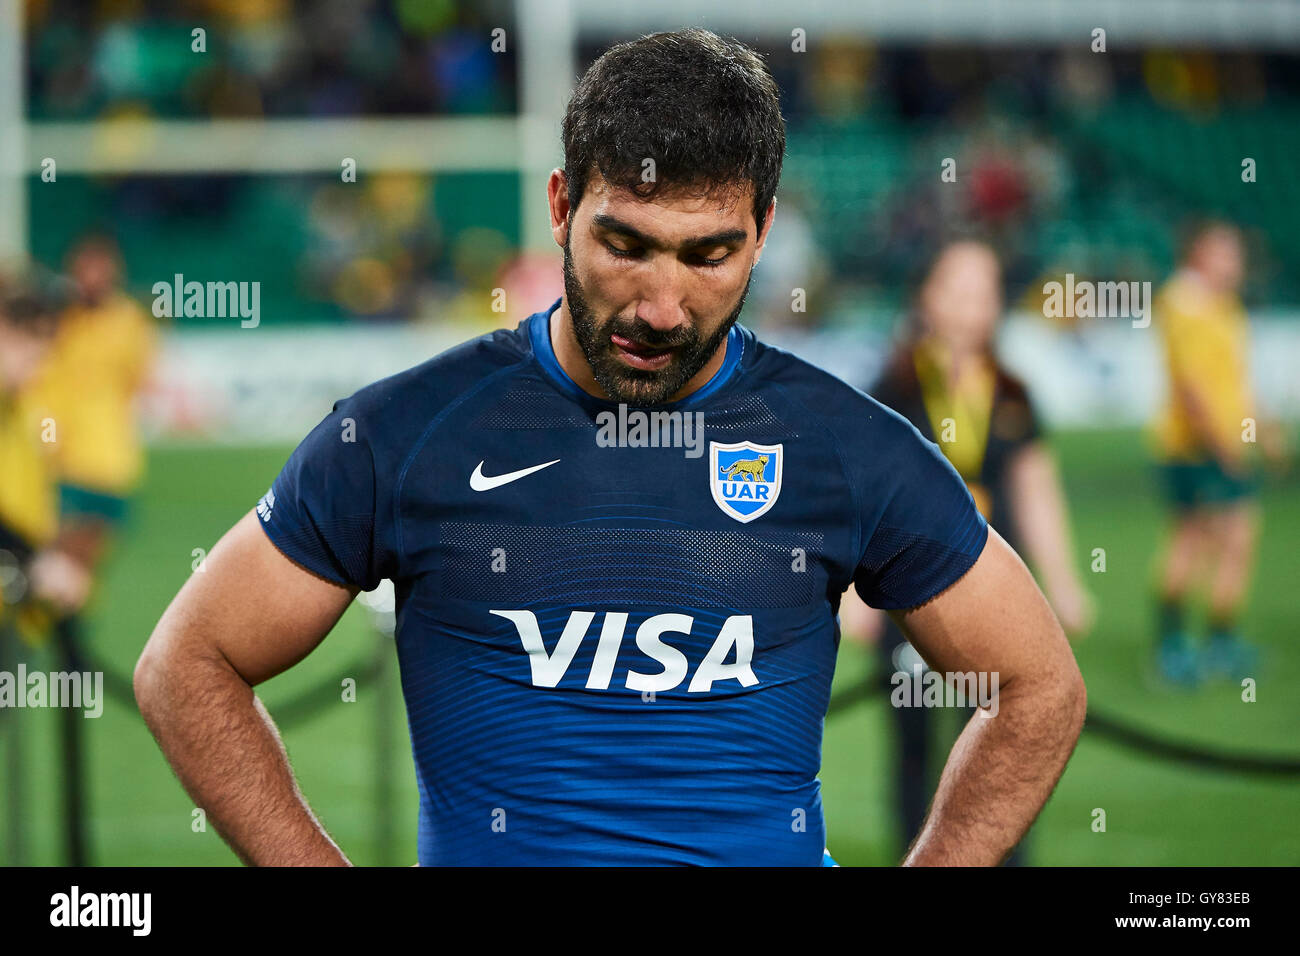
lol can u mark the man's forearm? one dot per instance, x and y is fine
(1000, 773)
(226, 751)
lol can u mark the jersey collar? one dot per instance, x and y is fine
(539, 331)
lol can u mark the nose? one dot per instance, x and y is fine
(661, 303)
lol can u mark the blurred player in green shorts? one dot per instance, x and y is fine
(100, 360)
(1205, 437)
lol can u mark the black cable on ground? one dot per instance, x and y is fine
(855, 695)
(308, 703)
(1102, 724)
(292, 712)
(1194, 754)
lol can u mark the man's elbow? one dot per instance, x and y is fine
(147, 680)
(1074, 701)
(159, 671)
(1057, 699)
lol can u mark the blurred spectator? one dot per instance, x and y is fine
(947, 381)
(371, 244)
(274, 58)
(1063, 159)
(792, 261)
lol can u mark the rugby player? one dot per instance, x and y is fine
(1206, 434)
(98, 365)
(40, 578)
(619, 654)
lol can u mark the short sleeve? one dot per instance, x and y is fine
(928, 533)
(321, 509)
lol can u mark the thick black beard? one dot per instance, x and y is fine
(633, 386)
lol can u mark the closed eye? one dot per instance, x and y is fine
(695, 259)
(623, 253)
(711, 263)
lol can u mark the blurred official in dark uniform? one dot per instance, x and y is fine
(945, 378)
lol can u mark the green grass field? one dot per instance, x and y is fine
(1157, 812)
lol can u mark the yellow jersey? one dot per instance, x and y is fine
(100, 359)
(1205, 337)
(28, 504)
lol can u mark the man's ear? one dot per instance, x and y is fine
(557, 197)
(767, 226)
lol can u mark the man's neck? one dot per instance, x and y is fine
(564, 343)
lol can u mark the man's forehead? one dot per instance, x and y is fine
(722, 206)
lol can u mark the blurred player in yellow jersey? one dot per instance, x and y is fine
(100, 360)
(81, 401)
(1205, 435)
(29, 567)
(28, 507)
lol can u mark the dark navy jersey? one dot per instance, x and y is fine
(617, 635)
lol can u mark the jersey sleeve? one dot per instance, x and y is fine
(324, 509)
(928, 532)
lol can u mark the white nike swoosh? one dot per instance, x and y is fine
(481, 482)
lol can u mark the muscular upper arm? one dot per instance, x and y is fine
(994, 619)
(251, 606)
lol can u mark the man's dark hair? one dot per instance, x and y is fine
(704, 108)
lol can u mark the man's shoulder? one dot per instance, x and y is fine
(818, 395)
(420, 393)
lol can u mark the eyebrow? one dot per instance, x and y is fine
(614, 224)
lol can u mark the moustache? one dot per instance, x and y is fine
(644, 334)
